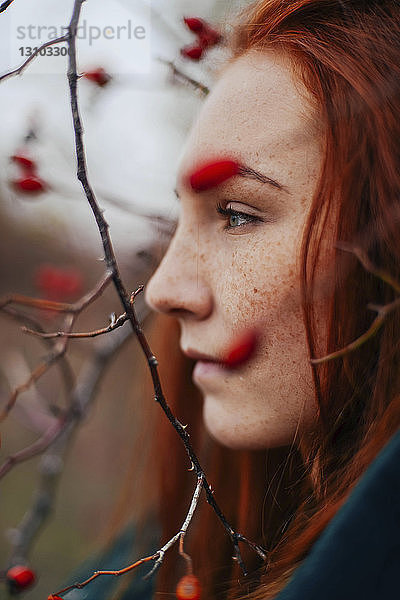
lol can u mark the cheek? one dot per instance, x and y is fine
(258, 283)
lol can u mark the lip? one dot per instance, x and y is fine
(206, 366)
(193, 354)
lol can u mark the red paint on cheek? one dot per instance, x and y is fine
(242, 350)
(212, 174)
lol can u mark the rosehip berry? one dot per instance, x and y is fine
(31, 184)
(27, 163)
(209, 37)
(58, 284)
(194, 24)
(213, 174)
(98, 76)
(19, 578)
(192, 52)
(242, 350)
(188, 588)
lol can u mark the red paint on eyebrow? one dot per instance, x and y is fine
(213, 173)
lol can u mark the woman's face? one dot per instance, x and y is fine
(224, 274)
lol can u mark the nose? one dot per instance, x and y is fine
(178, 287)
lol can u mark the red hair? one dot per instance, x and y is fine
(347, 54)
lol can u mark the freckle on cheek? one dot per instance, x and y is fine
(255, 290)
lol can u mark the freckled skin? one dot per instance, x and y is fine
(219, 282)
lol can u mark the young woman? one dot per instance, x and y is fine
(308, 108)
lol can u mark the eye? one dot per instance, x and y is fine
(234, 218)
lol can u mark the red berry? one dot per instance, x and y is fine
(27, 163)
(20, 578)
(209, 37)
(188, 588)
(194, 23)
(98, 76)
(58, 284)
(192, 52)
(213, 174)
(31, 184)
(54, 597)
(242, 350)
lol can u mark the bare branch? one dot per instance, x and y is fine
(63, 307)
(5, 5)
(57, 353)
(22, 317)
(177, 73)
(34, 449)
(181, 533)
(121, 320)
(157, 556)
(367, 264)
(383, 311)
(51, 463)
(19, 69)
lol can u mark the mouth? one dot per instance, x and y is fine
(206, 367)
(199, 356)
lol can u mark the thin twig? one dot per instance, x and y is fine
(60, 348)
(22, 317)
(19, 69)
(51, 463)
(368, 265)
(382, 311)
(5, 5)
(38, 447)
(62, 307)
(57, 353)
(157, 556)
(115, 323)
(177, 73)
(181, 533)
(377, 323)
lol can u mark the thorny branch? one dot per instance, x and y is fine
(157, 556)
(111, 264)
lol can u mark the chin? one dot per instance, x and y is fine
(231, 433)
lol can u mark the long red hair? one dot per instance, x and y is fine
(347, 54)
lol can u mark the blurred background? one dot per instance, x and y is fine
(136, 112)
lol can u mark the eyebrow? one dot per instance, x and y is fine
(248, 173)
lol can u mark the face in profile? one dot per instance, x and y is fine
(233, 262)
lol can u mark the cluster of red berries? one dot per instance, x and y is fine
(20, 578)
(206, 35)
(29, 182)
(98, 76)
(58, 284)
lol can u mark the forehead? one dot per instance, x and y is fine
(257, 112)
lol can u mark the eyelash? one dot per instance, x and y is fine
(229, 212)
